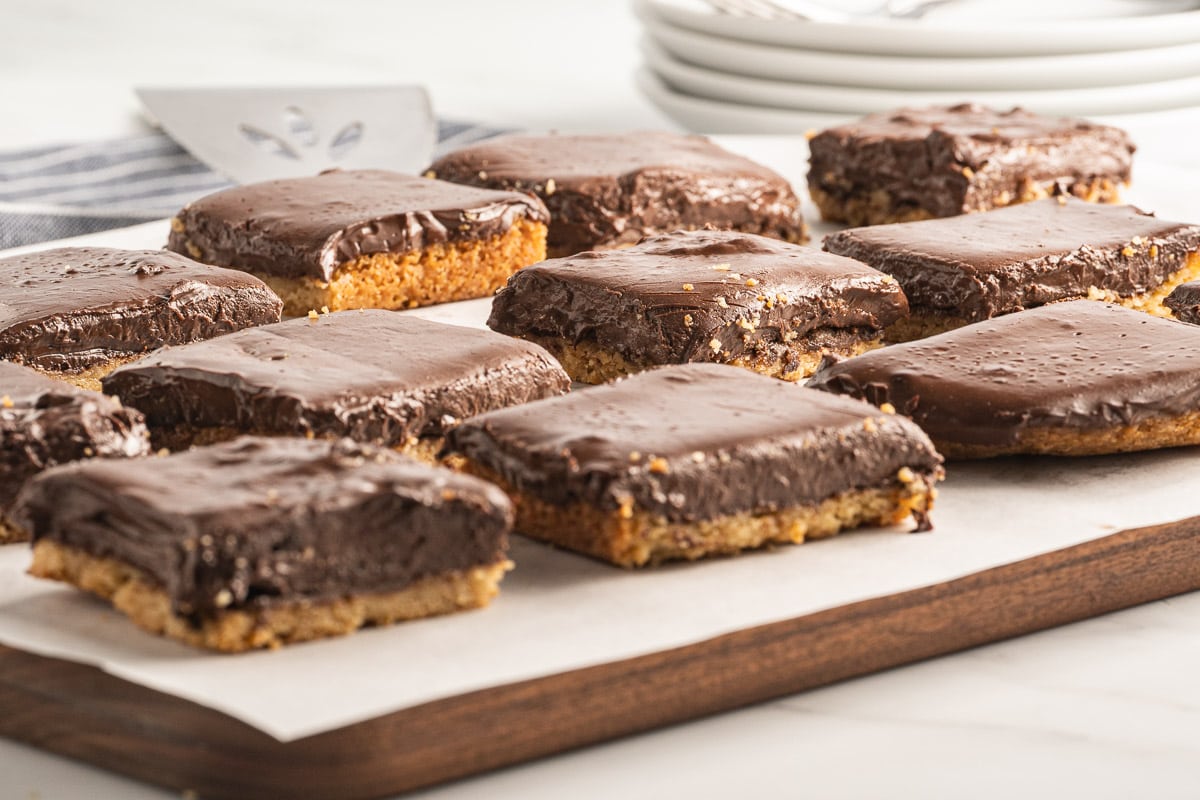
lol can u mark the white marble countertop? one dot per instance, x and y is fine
(1104, 708)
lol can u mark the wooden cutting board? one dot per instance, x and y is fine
(81, 712)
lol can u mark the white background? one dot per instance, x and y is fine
(1106, 708)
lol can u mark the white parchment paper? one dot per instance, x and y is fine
(559, 611)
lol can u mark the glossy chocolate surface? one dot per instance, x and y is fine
(983, 265)
(1080, 365)
(73, 308)
(669, 298)
(606, 190)
(694, 442)
(375, 376)
(44, 422)
(951, 160)
(308, 227)
(255, 522)
(1184, 302)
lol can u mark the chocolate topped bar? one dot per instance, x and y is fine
(608, 190)
(687, 461)
(44, 422)
(698, 296)
(308, 227)
(693, 442)
(1070, 378)
(1184, 302)
(78, 308)
(375, 376)
(966, 269)
(258, 542)
(916, 163)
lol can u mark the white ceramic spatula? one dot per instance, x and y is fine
(259, 134)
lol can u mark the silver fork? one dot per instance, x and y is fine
(820, 12)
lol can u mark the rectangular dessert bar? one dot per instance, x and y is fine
(265, 542)
(1069, 379)
(688, 461)
(78, 312)
(365, 238)
(717, 296)
(374, 376)
(610, 190)
(965, 269)
(45, 422)
(918, 163)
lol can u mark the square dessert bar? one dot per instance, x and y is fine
(365, 238)
(1184, 302)
(965, 269)
(78, 312)
(688, 461)
(1069, 379)
(610, 190)
(264, 542)
(45, 422)
(917, 163)
(730, 298)
(375, 376)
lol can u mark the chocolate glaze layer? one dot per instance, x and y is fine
(1081, 365)
(1184, 302)
(44, 422)
(983, 265)
(375, 376)
(694, 442)
(308, 227)
(75, 307)
(606, 190)
(256, 522)
(668, 298)
(918, 155)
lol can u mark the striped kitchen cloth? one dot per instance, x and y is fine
(70, 190)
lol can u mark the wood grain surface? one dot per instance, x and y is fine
(79, 711)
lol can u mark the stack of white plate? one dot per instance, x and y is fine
(726, 73)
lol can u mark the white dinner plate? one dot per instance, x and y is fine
(914, 72)
(714, 85)
(955, 32)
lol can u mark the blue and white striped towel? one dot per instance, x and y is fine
(70, 190)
